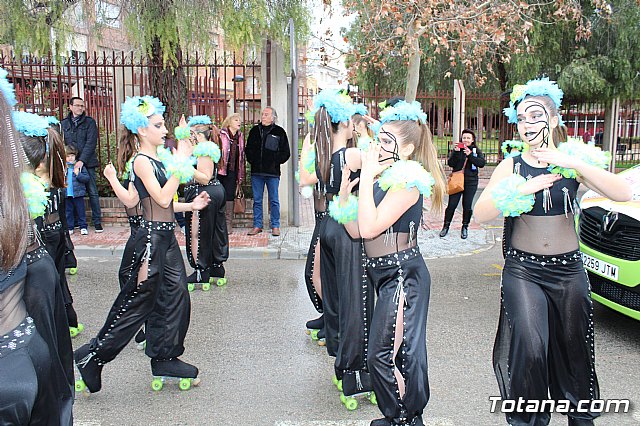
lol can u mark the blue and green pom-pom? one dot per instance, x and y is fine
(515, 145)
(308, 160)
(182, 133)
(589, 154)
(344, 213)
(509, 200)
(207, 149)
(182, 168)
(36, 194)
(406, 174)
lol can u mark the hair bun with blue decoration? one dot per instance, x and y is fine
(7, 88)
(30, 124)
(339, 106)
(136, 111)
(538, 87)
(199, 119)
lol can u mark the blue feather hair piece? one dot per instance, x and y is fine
(198, 119)
(53, 121)
(135, 112)
(339, 105)
(30, 124)
(7, 88)
(538, 87)
(400, 111)
(361, 109)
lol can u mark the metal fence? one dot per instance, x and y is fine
(214, 87)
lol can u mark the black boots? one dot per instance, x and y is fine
(448, 216)
(90, 368)
(466, 219)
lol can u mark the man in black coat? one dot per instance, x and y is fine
(81, 132)
(267, 149)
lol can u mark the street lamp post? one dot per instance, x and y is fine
(293, 120)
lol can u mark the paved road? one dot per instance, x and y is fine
(259, 368)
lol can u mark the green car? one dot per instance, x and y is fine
(609, 234)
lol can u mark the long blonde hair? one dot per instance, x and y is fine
(425, 153)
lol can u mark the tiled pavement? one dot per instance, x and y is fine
(293, 242)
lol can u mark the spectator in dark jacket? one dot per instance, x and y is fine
(81, 132)
(267, 149)
(464, 154)
(76, 191)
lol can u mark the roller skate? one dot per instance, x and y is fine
(356, 383)
(141, 339)
(322, 338)
(199, 278)
(173, 369)
(380, 422)
(90, 368)
(217, 275)
(314, 326)
(337, 382)
(74, 331)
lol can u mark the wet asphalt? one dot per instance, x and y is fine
(258, 367)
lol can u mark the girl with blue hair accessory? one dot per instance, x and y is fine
(156, 292)
(44, 148)
(347, 296)
(206, 230)
(396, 175)
(544, 342)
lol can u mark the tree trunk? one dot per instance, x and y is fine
(413, 71)
(505, 127)
(168, 83)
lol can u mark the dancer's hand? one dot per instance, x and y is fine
(555, 157)
(184, 148)
(346, 185)
(110, 172)
(539, 183)
(371, 166)
(201, 201)
(182, 122)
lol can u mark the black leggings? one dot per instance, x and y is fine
(347, 298)
(310, 264)
(162, 300)
(470, 188)
(544, 344)
(385, 273)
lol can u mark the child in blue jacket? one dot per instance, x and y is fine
(76, 191)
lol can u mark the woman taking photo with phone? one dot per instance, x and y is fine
(465, 155)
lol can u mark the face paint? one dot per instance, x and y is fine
(388, 144)
(533, 122)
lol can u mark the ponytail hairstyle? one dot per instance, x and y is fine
(418, 133)
(560, 134)
(128, 145)
(211, 134)
(323, 131)
(49, 151)
(15, 226)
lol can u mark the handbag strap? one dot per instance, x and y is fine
(239, 192)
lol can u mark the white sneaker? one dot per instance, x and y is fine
(70, 231)
(84, 231)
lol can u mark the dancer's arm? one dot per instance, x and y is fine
(204, 170)
(198, 203)
(306, 178)
(128, 196)
(373, 220)
(346, 186)
(602, 181)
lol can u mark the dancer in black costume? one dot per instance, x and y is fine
(389, 212)
(36, 372)
(544, 343)
(206, 230)
(347, 295)
(157, 291)
(45, 153)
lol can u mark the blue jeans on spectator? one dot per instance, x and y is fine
(94, 198)
(257, 185)
(76, 205)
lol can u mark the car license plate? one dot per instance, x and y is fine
(601, 267)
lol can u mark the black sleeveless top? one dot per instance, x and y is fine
(562, 194)
(409, 220)
(332, 186)
(160, 173)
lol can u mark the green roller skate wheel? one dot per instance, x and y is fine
(307, 332)
(80, 327)
(185, 384)
(314, 334)
(351, 403)
(343, 398)
(156, 384)
(339, 385)
(191, 286)
(206, 286)
(334, 379)
(372, 398)
(80, 386)
(73, 271)
(221, 282)
(73, 331)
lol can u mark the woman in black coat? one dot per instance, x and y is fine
(468, 151)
